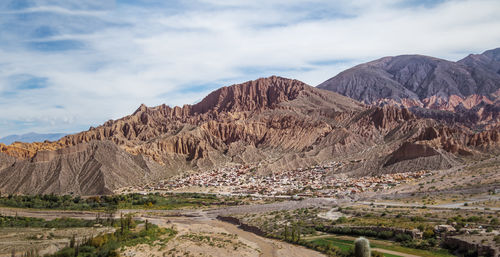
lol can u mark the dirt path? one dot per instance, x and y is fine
(394, 252)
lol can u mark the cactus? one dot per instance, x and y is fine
(362, 247)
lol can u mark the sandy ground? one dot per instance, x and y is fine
(472, 178)
(225, 240)
(332, 214)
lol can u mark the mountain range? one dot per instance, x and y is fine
(31, 137)
(376, 121)
(465, 91)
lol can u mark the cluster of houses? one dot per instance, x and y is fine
(312, 181)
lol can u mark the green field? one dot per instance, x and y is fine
(345, 245)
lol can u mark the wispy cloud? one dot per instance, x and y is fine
(90, 61)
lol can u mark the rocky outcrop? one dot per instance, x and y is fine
(485, 139)
(467, 244)
(6, 160)
(409, 151)
(241, 225)
(251, 96)
(274, 122)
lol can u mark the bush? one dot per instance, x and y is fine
(401, 237)
(385, 234)
(341, 220)
(65, 252)
(428, 233)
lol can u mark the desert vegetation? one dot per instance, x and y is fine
(403, 233)
(127, 234)
(128, 201)
(9, 221)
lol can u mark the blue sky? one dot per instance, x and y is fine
(66, 65)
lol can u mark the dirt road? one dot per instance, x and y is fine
(394, 252)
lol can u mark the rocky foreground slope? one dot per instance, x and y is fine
(277, 122)
(466, 91)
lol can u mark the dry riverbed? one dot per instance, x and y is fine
(205, 237)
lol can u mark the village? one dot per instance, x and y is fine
(313, 181)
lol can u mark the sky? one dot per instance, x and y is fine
(66, 65)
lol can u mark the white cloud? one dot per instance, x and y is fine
(54, 9)
(153, 53)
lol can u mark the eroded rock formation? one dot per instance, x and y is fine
(277, 122)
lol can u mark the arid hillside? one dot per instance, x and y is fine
(277, 122)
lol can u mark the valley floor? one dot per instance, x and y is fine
(198, 235)
(467, 195)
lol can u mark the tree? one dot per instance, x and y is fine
(428, 233)
(122, 223)
(72, 241)
(110, 211)
(362, 247)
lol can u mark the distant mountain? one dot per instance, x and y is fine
(469, 87)
(31, 137)
(274, 123)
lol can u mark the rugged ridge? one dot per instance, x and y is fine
(274, 122)
(419, 82)
(86, 169)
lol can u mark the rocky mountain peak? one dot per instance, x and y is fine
(494, 54)
(250, 96)
(142, 108)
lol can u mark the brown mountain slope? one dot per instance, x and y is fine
(465, 91)
(277, 122)
(85, 169)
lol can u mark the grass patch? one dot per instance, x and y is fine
(344, 247)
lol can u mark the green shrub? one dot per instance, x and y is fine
(401, 237)
(385, 234)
